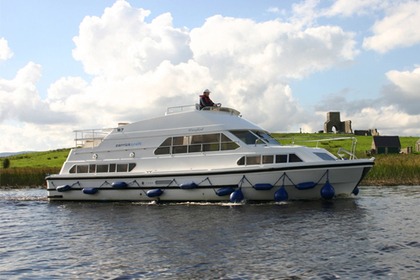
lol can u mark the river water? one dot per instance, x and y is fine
(373, 236)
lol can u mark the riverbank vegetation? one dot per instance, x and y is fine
(30, 169)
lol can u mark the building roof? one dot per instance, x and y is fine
(386, 141)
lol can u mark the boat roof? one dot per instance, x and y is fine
(208, 119)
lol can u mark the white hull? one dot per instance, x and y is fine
(344, 176)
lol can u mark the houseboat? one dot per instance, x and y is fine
(188, 154)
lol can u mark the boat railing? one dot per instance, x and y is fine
(341, 153)
(222, 109)
(89, 138)
(179, 109)
(188, 108)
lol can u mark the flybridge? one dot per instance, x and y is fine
(89, 138)
(189, 108)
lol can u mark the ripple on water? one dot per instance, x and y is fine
(372, 236)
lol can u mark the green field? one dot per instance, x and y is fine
(30, 169)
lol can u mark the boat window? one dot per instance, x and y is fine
(281, 158)
(294, 158)
(268, 159)
(73, 169)
(324, 156)
(245, 136)
(252, 160)
(82, 169)
(267, 137)
(165, 147)
(122, 167)
(131, 166)
(227, 144)
(196, 144)
(102, 168)
(179, 144)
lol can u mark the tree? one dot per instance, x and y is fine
(6, 163)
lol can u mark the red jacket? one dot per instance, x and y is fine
(205, 101)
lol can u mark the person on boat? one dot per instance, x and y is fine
(205, 100)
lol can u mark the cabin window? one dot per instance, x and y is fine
(245, 136)
(131, 166)
(122, 167)
(252, 160)
(196, 144)
(92, 168)
(211, 142)
(294, 158)
(281, 158)
(102, 168)
(82, 169)
(241, 161)
(227, 144)
(324, 156)
(267, 137)
(165, 147)
(254, 137)
(268, 159)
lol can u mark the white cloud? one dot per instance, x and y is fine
(408, 82)
(389, 120)
(121, 43)
(355, 7)
(139, 68)
(399, 28)
(20, 100)
(5, 52)
(269, 50)
(404, 90)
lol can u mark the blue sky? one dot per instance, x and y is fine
(67, 65)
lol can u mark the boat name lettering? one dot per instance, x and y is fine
(196, 129)
(128, 144)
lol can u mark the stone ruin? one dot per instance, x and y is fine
(334, 123)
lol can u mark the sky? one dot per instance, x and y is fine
(72, 64)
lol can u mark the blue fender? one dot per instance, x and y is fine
(327, 191)
(225, 191)
(188, 186)
(281, 195)
(90, 190)
(63, 188)
(119, 185)
(236, 196)
(154, 193)
(356, 191)
(263, 187)
(305, 185)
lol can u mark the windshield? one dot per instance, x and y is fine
(254, 137)
(267, 137)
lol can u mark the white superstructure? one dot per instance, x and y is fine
(199, 155)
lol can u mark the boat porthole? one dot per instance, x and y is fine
(132, 154)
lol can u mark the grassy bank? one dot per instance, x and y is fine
(30, 169)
